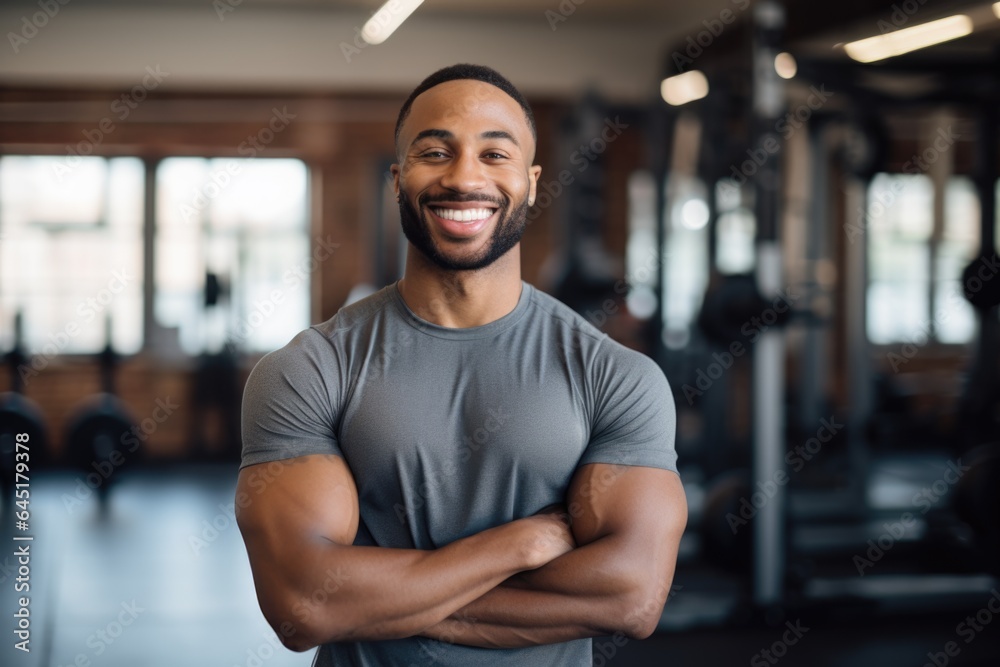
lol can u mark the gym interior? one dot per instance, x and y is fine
(790, 206)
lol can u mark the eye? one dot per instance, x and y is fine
(434, 154)
(493, 155)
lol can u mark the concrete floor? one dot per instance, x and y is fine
(163, 581)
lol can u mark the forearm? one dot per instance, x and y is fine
(336, 592)
(521, 617)
(462, 628)
(591, 591)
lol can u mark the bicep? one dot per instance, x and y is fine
(627, 521)
(642, 508)
(287, 510)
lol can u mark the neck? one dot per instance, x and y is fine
(461, 299)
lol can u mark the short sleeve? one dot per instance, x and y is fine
(634, 418)
(289, 403)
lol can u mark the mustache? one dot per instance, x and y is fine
(426, 200)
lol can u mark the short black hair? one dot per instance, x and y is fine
(466, 71)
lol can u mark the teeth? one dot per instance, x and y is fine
(466, 215)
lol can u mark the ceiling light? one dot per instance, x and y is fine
(903, 41)
(785, 65)
(694, 214)
(684, 88)
(389, 17)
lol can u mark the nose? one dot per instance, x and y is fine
(464, 173)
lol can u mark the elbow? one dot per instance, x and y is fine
(297, 642)
(640, 607)
(294, 632)
(641, 629)
(640, 621)
(300, 626)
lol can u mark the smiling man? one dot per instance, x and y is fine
(459, 470)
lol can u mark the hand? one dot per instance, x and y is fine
(548, 535)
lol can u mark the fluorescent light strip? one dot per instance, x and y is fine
(903, 41)
(389, 17)
(684, 88)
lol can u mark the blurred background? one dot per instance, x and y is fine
(790, 206)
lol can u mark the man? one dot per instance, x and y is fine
(458, 469)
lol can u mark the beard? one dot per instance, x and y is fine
(507, 233)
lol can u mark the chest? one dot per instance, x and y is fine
(455, 422)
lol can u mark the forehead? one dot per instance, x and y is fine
(465, 104)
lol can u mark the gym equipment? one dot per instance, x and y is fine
(216, 390)
(977, 494)
(977, 501)
(99, 435)
(19, 414)
(852, 502)
(215, 401)
(587, 273)
(726, 538)
(732, 303)
(769, 354)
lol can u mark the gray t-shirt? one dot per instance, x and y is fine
(449, 432)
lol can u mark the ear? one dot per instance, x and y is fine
(394, 170)
(533, 173)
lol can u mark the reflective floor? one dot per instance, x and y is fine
(162, 580)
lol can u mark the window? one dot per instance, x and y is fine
(736, 230)
(71, 252)
(241, 225)
(232, 253)
(640, 250)
(686, 274)
(914, 269)
(955, 320)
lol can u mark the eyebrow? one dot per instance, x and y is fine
(434, 133)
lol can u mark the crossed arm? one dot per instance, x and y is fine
(525, 582)
(628, 523)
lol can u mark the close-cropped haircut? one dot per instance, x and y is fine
(466, 71)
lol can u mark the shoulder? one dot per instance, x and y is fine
(603, 349)
(547, 311)
(321, 348)
(358, 316)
